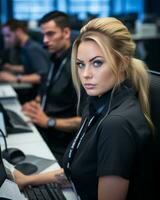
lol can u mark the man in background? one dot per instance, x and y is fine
(34, 58)
(54, 110)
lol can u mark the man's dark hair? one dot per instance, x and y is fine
(60, 18)
(14, 24)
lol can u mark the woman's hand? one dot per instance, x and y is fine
(37, 179)
(21, 179)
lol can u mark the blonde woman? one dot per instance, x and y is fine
(109, 157)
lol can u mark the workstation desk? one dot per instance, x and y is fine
(31, 143)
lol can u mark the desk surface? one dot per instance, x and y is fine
(31, 143)
(146, 36)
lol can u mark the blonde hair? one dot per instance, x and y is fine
(117, 46)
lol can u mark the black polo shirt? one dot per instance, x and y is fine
(61, 101)
(61, 96)
(118, 146)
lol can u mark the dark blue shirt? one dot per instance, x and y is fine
(34, 58)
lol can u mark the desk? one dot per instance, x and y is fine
(31, 143)
(22, 85)
(146, 36)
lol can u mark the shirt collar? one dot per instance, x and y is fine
(59, 58)
(120, 93)
(96, 102)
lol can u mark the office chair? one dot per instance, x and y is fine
(155, 99)
(155, 115)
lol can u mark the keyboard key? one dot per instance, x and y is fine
(16, 123)
(30, 194)
(45, 193)
(50, 191)
(38, 193)
(57, 190)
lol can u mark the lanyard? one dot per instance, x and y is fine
(86, 125)
(44, 97)
(49, 79)
(79, 137)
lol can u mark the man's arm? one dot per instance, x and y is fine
(31, 78)
(68, 124)
(13, 68)
(37, 116)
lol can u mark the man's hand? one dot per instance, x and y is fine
(13, 68)
(5, 76)
(7, 66)
(34, 111)
(28, 105)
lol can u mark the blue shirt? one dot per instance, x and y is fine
(34, 58)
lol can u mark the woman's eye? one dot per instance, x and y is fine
(97, 63)
(80, 65)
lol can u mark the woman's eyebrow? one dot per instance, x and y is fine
(90, 59)
(95, 58)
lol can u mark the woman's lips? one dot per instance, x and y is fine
(89, 86)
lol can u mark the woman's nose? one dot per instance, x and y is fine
(87, 73)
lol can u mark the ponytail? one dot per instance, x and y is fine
(140, 80)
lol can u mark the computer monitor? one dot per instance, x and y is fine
(128, 19)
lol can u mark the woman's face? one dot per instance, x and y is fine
(94, 71)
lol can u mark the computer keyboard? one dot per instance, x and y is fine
(49, 191)
(18, 124)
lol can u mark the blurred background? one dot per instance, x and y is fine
(142, 17)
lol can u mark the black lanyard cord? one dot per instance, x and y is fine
(77, 141)
(49, 80)
(74, 143)
(79, 137)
